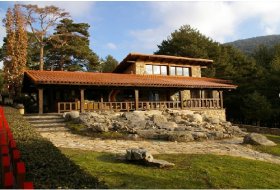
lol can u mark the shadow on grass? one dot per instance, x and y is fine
(47, 167)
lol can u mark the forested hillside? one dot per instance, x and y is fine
(256, 100)
(249, 45)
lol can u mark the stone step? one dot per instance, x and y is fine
(33, 117)
(46, 125)
(58, 120)
(56, 129)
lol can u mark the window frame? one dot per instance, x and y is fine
(176, 73)
(153, 70)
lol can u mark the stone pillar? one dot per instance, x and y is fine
(182, 99)
(136, 99)
(40, 100)
(82, 100)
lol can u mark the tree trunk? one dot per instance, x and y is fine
(41, 57)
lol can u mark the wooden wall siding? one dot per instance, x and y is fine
(131, 69)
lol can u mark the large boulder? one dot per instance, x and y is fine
(214, 120)
(136, 115)
(167, 125)
(199, 136)
(257, 139)
(99, 127)
(158, 119)
(72, 115)
(195, 118)
(138, 154)
(181, 137)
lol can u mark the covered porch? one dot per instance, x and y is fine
(59, 91)
(64, 99)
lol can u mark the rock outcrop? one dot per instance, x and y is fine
(172, 125)
(257, 139)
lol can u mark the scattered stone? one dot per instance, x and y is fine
(142, 156)
(161, 163)
(257, 139)
(136, 154)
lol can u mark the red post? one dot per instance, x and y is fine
(20, 175)
(28, 185)
(12, 144)
(8, 180)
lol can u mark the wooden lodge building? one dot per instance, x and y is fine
(139, 82)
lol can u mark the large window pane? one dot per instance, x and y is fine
(156, 69)
(195, 93)
(172, 71)
(163, 70)
(179, 71)
(208, 94)
(186, 71)
(149, 69)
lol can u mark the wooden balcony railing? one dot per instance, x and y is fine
(143, 105)
(67, 106)
(202, 103)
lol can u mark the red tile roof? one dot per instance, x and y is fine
(132, 57)
(114, 79)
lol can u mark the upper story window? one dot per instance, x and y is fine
(156, 69)
(179, 71)
(149, 69)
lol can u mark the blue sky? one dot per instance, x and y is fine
(118, 28)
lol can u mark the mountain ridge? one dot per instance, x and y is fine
(248, 45)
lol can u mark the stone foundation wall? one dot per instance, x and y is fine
(215, 113)
(196, 71)
(263, 130)
(139, 68)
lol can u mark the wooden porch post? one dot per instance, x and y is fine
(41, 100)
(82, 100)
(136, 99)
(101, 102)
(221, 99)
(182, 99)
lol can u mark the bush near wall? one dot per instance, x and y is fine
(46, 166)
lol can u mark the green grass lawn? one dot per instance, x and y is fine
(274, 150)
(191, 171)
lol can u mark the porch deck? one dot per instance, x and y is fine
(207, 103)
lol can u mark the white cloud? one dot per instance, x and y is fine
(76, 8)
(111, 46)
(218, 20)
